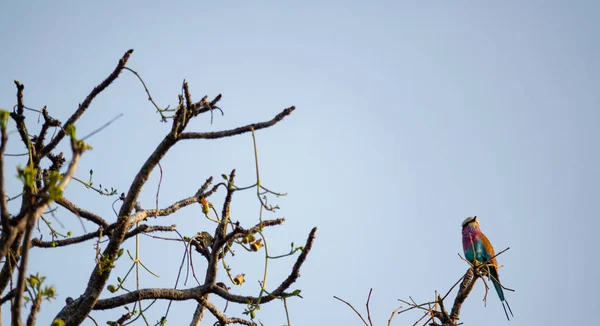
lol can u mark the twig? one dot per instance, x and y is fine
(356, 311)
(393, 314)
(158, 109)
(287, 313)
(368, 310)
(102, 127)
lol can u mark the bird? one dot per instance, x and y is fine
(478, 249)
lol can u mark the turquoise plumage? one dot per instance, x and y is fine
(478, 249)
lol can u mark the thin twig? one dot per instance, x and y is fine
(393, 314)
(102, 127)
(356, 311)
(368, 310)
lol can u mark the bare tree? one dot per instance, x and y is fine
(45, 177)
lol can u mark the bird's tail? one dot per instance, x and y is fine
(498, 287)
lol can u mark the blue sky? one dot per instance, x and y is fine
(410, 117)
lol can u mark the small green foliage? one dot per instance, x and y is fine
(50, 292)
(54, 189)
(163, 320)
(69, 234)
(34, 282)
(4, 118)
(105, 263)
(70, 130)
(251, 310)
(112, 288)
(27, 176)
(78, 145)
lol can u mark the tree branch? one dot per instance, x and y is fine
(29, 223)
(64, 202)
(19, 117)
(35, 308)
(150, 294)
(223, 320)
(237, 131)
(148, 229)
(295, 274)
(463, 292)
(4, 214)
(88, 100)
(64, 242)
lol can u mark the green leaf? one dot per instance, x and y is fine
(58, 322)
(27, 176)
(70, 130)
(4, 118)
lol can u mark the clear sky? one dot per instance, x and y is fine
(410, 117)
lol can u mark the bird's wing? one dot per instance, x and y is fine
(488, 250)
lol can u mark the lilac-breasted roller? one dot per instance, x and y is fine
(474, 239)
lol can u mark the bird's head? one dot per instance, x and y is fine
(470, 222)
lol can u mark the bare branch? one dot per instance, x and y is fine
(148, 229)
(356, 311)
(296, 269)
(35, 308)
(237, 131)
(20, 104)
(148, 294)
(92, 235)
(4, 215)
(19, 117)
(369, 310)
(240, 233)
(48, 122)
(8, 296)
(80, 212)
(88, 100)
(223, 320)
(64, 242)
(393, 314)
(171, 209)
(463, 291)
